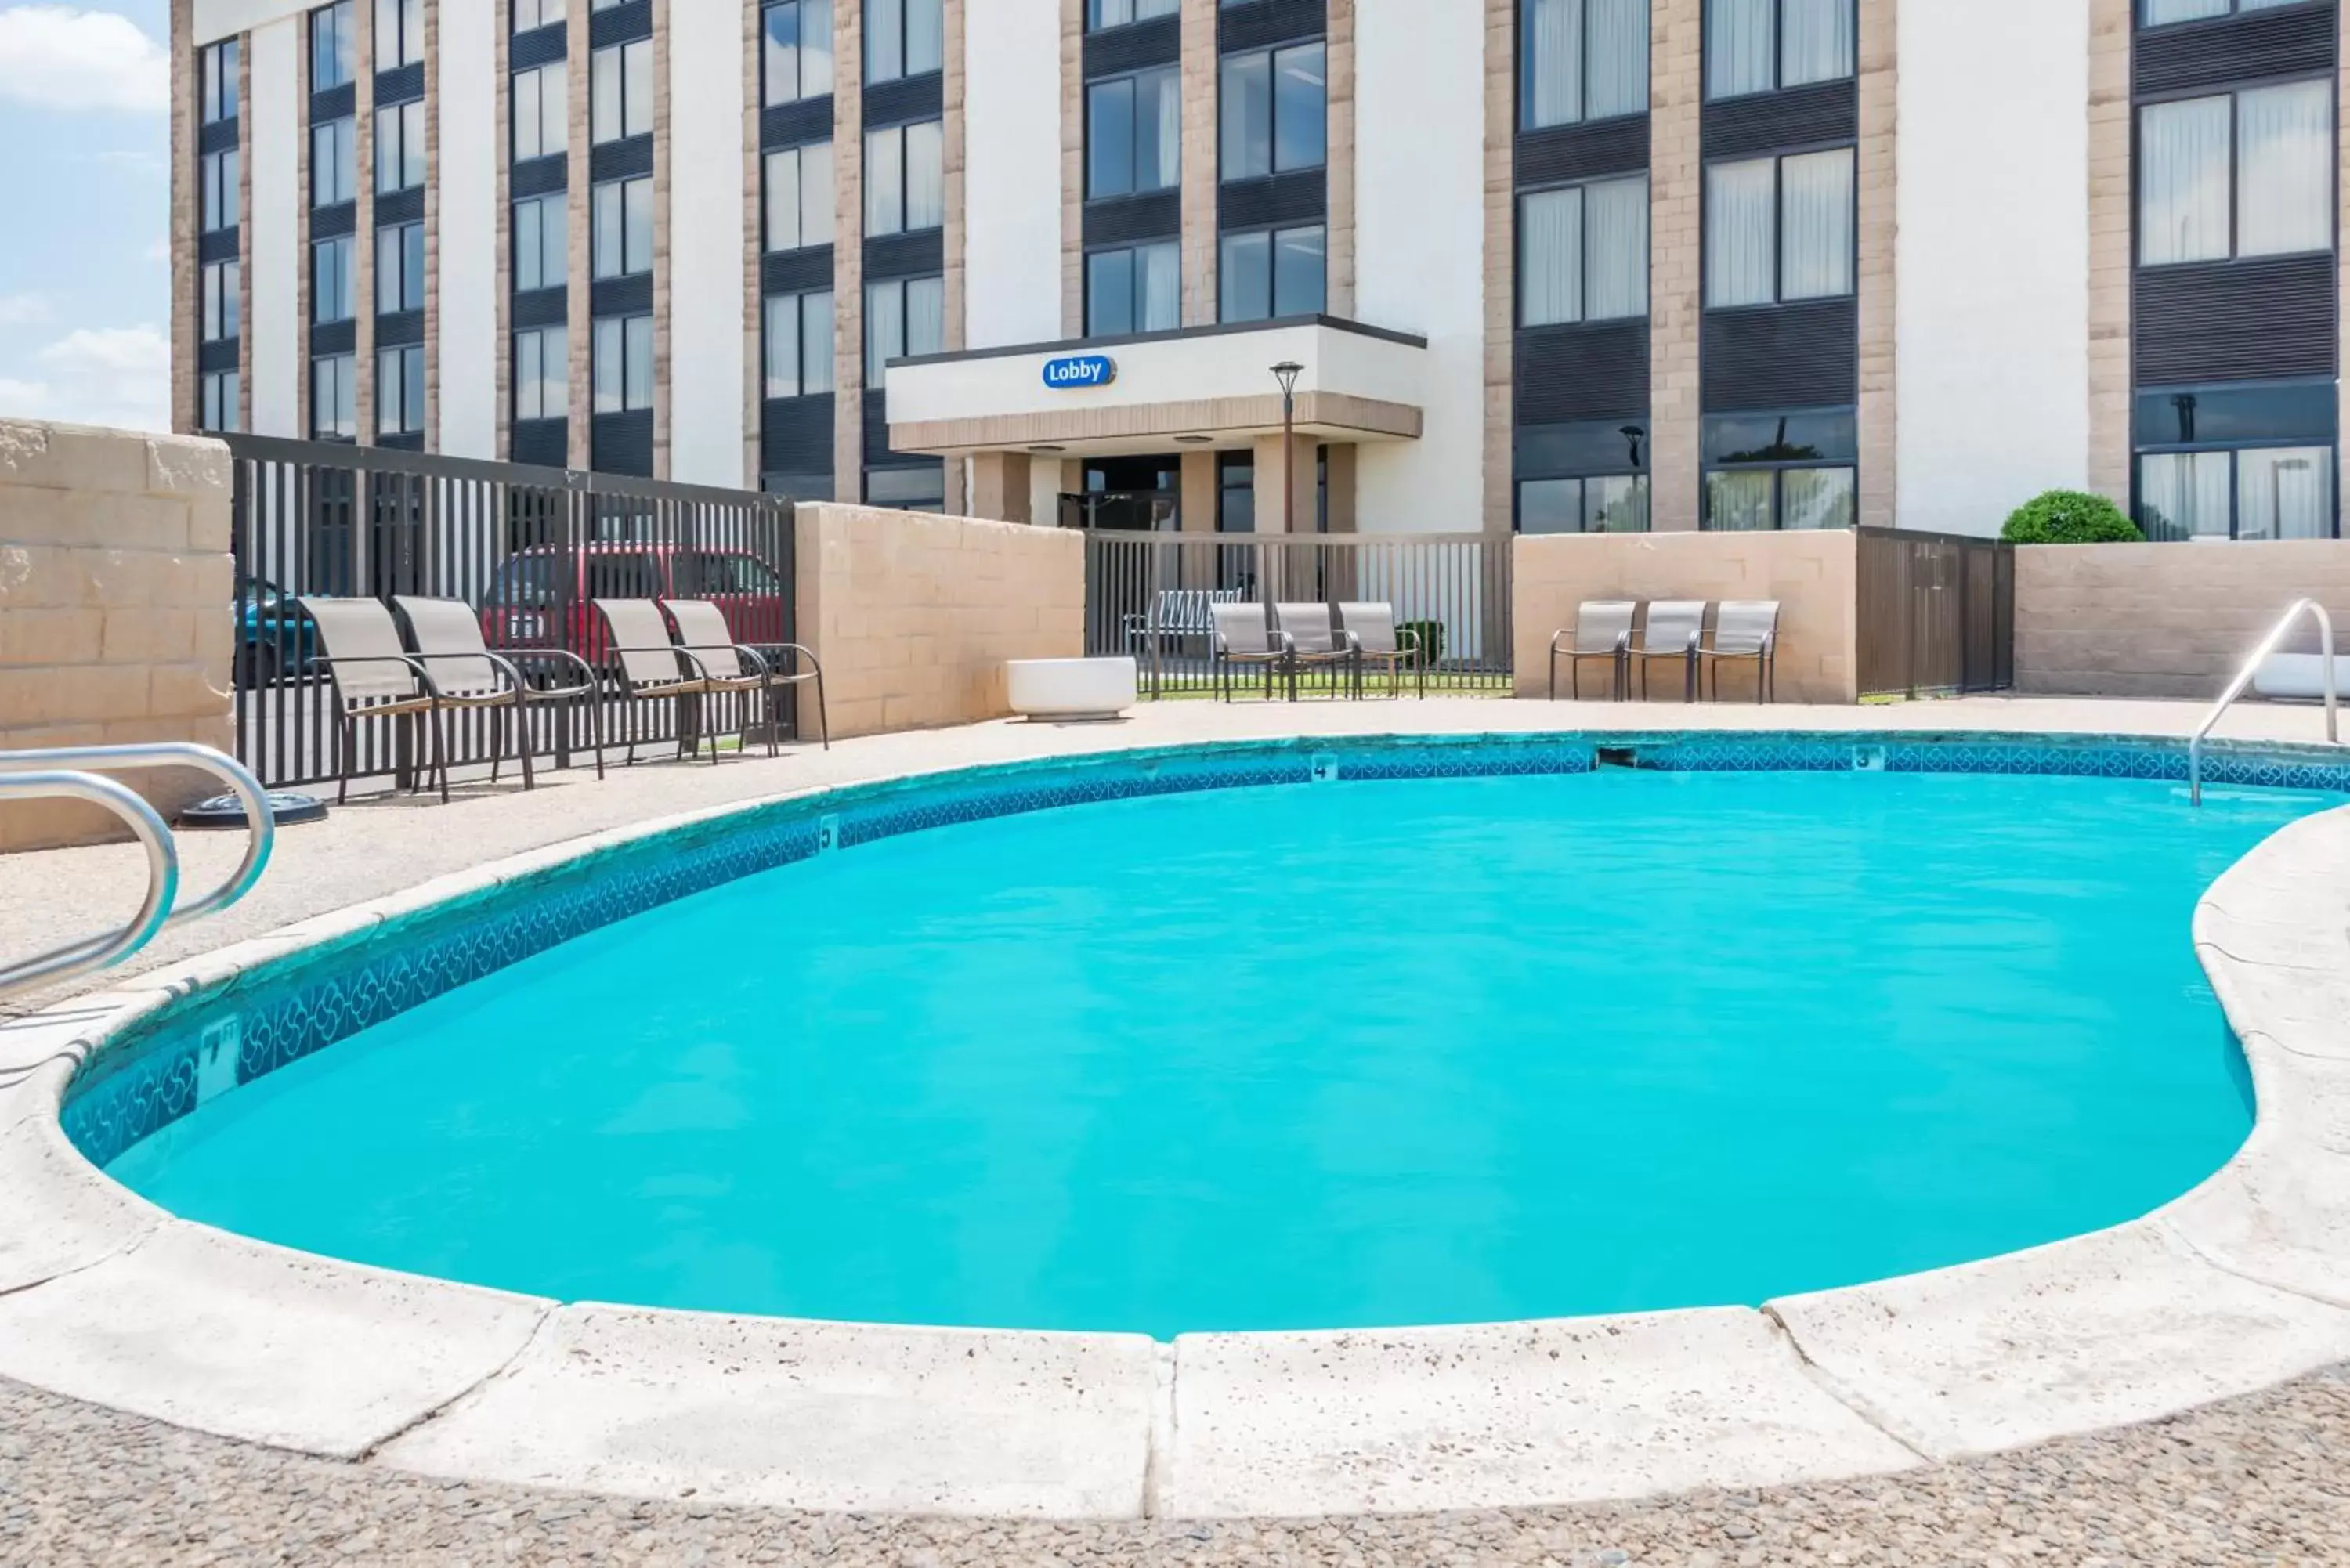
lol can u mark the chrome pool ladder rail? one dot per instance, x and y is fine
(2328, 675)
(71, 772)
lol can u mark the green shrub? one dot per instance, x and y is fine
(1429, 635)
(2070, 517)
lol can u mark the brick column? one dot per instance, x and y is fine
(954, 158)
(999, 486)
(1501, 258)
(1199, 501)
(186, 223)
(2109, 248)
(1298, 467)
(579, 317)
(432, 225)
(849, 250)
(662, 359)
(1198, 80)
(305, 263)
(183, 168)
(1876, 174)
(1339, 63)
(502, 264)
(1676, 225)
(363, 230)
(755, 226)
(1073, 167)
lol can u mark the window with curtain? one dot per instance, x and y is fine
(2157, 12)
(620, 363)
(1102, 14)
(1779, 229)
(334, 162)
(531, 14)
(904, 317)
(399, 147)
(1758, 500)
(1272, 273)
(540, 259)
(335, 398)
(1581, 59)
(1596, 503)
(542, 373)
(1760, 45)
(542, 116)
(621, 228)
(399, 268)
(1274, 111)
(2251, 493)
(398, 32)
(903, 39)
(334, 46)
(798, 348)
(399, 392)
(220, 82)
(223, 288)
(621, 91)
(1136, 288)
(905, 180)
(1584, 253)
(798, 196)
(795, 50)
(1134, 133)
(2236, 174)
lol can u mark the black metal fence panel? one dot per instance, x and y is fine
(527, 549)
(1151, 596)
(1936, 612)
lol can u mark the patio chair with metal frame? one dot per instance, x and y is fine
(1672, 629)
(1602, 630)
(1746, 630)
(376, 677)
(1243, 639)
(704, 636)
(1314, 643)
(446, 636)
(1378, 641)
(651, 668)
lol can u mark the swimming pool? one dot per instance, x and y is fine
(1415, 1048)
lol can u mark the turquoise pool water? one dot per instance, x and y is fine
(1353, 1054)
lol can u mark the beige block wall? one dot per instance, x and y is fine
(1814, 575)
(2163, 621)
(912, 615)
(114, 591)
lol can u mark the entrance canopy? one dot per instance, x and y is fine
(1200, 387)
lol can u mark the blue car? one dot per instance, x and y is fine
(275, 638)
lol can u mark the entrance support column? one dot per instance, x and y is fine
(1000, 486)
(1297, 470)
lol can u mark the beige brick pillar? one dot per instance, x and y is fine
(1339, 68)
(1876, 175)
(755, 228)
(1073, 167)
(432, 225)
(2109, 248)
(849, 251)
(502, 161)
(1298, 470)
(1199, 77)
(999, 486)
(578, 316)
(1501, 259)
(363, 236)
(1199, 492)
(244, 219)
(186, 400)
(1676, 223)
(663, 362)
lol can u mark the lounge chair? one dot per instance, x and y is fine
(1314, 641)
(652, 668)
(1602, 630)
(1673, 630)
(1748, 630)
(703, 635)
(376, 677)
(1243, 639)
(446, 635)
(1376, 641)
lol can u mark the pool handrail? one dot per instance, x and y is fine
(162, 876)
(2251, 668)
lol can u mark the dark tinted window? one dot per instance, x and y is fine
(2226, 415)
(1803, 436)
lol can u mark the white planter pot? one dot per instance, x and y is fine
(1070, 688)
(2301, 676)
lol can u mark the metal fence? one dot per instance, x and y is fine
(1936, 612)
(1149, 594)
(527, 548)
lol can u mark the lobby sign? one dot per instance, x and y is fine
(1077, 371)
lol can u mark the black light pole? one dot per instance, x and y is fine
(1287, 373)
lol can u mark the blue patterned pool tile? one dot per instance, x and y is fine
(1749, 753)
(118, 1109)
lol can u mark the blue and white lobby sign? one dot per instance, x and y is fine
(1076, 371)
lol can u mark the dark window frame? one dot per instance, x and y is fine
(1524, 85)
(1778, 160)
(1778, 57)
(2233, 92)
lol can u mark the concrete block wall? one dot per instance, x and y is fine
(2163, 621)
(1814, 575)
(913, 614)
(115, 608)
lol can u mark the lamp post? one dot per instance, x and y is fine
(1287, 373)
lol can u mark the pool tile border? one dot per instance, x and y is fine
(2240, 1284)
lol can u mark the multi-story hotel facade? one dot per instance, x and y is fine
(1540, 265)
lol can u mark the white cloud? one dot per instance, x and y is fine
(23, 309)
(118, 375)
(63, 57)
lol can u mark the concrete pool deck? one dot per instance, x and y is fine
(2242, 1284)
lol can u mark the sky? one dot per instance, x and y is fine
(85, 267)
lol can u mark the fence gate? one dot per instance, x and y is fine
(527, 548)
(1149, 594)
(1936, 612)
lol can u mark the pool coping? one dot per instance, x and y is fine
(2243, 1282)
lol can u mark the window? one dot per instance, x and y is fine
(1236, 493)
(335, 398)
(1598, 503)
(2238, 174)
(399, 147)
(221, 284)
(905, 181)
(334, 162)
(1101, 13)
(1792, 471)
(1275, 115)
(2155, 13)
(399, 392)
(541, 112)
(399, 268)
(217, 173)
(1134, 289)
(542, 373)
(914, 488)
(621, 91)
(1585, 59)
(799, 197)
(334, 46)
(334, 279)
(1755, 46)
(1582, 253)
(1134, 134)
(1268, 274)
(398, 32)
(904, 317)
(2254, 492)
(903, 39)
(220, 82)
(539, 244)
(795, 59)
(219, 393)
(531, 13)
(798, 350)
(622, 363)
(1779, 229)
(621, 228)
